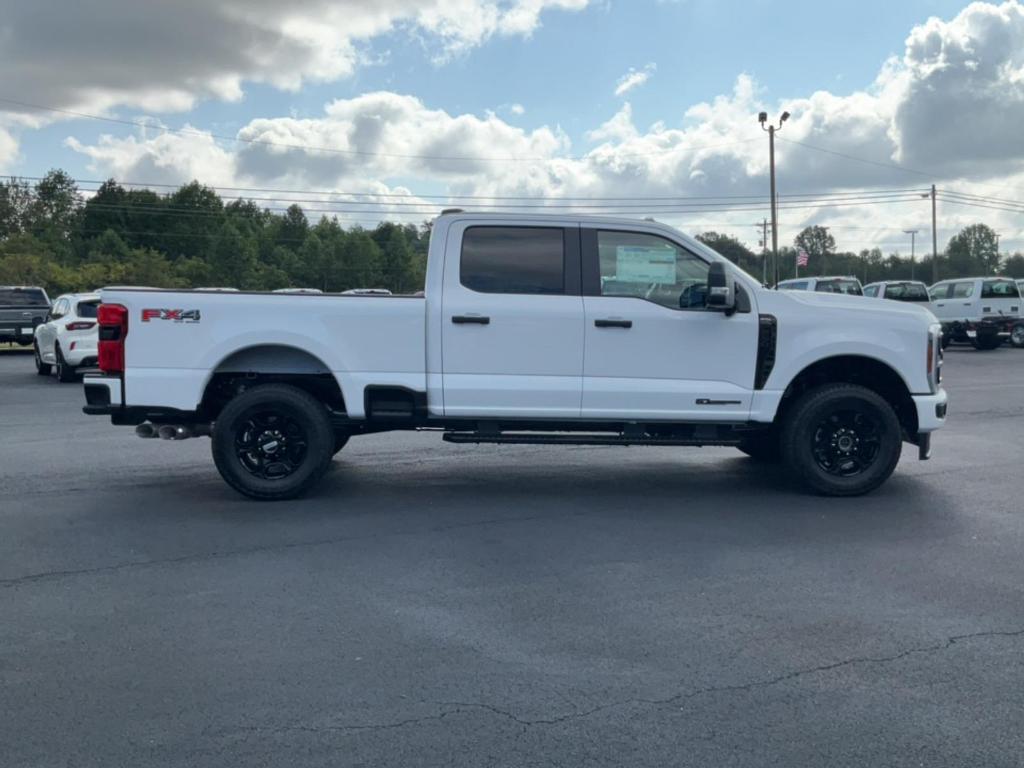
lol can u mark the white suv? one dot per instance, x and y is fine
(67, 340)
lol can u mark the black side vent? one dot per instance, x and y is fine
(767, 337)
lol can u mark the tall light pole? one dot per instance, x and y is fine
(913, 234)
(996, 271)
(762, 118)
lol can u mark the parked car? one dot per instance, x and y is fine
(22, 308)
(1017, 331)
(848, 285)
(316, 291)
(68, 339)
(534, 329)
(980, 310)
(366, 292)
(899, 290)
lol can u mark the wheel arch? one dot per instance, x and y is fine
(256, 364)
(862, 370)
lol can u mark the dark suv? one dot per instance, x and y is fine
(22, 308)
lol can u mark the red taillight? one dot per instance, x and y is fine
(113, 320)
(79, 326)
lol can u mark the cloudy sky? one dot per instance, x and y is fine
(640, 106)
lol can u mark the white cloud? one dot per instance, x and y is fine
(8, 150)
(163, 57)
(634, 79)
(951, 107)
(517, 109)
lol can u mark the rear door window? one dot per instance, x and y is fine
(871, 290)
(87, 309)
(999, 289)
(513, 260)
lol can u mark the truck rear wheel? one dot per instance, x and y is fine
(273, 442)
(985, 343)
(1017, 335)
(841, 440)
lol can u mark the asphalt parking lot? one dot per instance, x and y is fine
(438, 605)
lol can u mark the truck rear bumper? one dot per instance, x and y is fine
(102, 394)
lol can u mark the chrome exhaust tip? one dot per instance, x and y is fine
(146, 430)
(174, 432)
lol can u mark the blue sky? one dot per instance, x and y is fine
(441, 76)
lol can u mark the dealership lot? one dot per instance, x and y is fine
(432, 604)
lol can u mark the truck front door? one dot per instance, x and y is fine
(512, 321)
(652, 349)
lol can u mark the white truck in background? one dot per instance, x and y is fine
(980, 310)
(532, 329)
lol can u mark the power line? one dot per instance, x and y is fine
(451, 197)
(858, 159)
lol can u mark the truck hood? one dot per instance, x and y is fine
(841, 304)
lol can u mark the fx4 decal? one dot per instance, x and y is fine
(175, 315)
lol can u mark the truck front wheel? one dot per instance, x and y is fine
(272, 442)
(841, 439)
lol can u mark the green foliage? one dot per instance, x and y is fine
(973, 251)
(50, 235)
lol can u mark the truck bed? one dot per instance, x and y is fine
(177, 340)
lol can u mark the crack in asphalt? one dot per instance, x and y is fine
(279, 547)
(463, 707)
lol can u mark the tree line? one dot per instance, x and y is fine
(972, 252)
(53, 235)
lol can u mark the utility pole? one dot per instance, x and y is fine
(913, 234)
(998, 235)
(764, 251)
(762, 118)
(935, 243)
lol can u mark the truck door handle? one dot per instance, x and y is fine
(608, 323)
(466, 319)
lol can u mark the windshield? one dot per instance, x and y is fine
(849, 287)
(23, 297)
(906, 292)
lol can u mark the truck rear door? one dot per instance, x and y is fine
(512, 321)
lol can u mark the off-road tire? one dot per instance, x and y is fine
(1017, 335)
(291, 405)
(986, 343)
(820, 409)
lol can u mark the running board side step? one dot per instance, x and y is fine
(539, 438)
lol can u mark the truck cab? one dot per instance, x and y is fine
(530, 329)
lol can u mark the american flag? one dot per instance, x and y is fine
(801, 258)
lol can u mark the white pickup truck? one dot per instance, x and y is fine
(531, 329)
